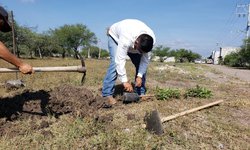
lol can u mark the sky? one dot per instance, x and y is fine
(201, 26)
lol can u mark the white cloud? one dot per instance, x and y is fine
(177, 44)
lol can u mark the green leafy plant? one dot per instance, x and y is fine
(165, 94)
(200, 92)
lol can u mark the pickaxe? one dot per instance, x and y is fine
(80, 69)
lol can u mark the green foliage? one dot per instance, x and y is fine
(232, 60)
(239, 58)
(161, 51)
(65, 40)
(200, 92)
(165, 94)
(72, 37)
(182, 54)
(104, 53)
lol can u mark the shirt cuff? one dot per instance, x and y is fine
(123, 79)
(139, 75)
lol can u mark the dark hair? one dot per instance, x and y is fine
(146, 42)
(4, 16)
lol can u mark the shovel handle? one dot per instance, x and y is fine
(146, 96)
(164, 119)
(79, 69)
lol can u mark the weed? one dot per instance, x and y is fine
(199, 92)
(165, 94)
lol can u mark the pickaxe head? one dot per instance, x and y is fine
(84, 70)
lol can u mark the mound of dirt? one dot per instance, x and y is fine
(78, 101)
(38, 105)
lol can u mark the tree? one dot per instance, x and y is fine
(72, 37)
(25, 39)
(240, 58)
(232, 59)
(104, 53)
(186, 55)
(161, 51)
(45, 45)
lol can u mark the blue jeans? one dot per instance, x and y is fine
(111, 75)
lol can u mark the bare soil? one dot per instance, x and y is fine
(241, 74)
(66, 99)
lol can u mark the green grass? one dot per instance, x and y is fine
(221, 127)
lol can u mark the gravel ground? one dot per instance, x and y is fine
(242, 74)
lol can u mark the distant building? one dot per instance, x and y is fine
(222, 53)
(169, 59)
(156, 58)
(215, 57)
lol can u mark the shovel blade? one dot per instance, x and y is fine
(153, 122)
(130, 97)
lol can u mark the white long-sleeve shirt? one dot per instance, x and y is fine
(125, 34)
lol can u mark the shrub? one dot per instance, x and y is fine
(165, 94)
(199, 92)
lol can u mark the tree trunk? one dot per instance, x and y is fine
(99, 54)
(31, 56)
(89, 53)
(63, 54)
(17, 51)
(76, 54)
(39, 51)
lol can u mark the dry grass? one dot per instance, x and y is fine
(226, 126)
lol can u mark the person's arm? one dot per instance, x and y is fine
(9, 57)
(143, 64)
(142, 68)
(120, 60)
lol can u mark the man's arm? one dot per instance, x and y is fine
(144, 64)
(142, 68)
(9, 57)
(120, 60)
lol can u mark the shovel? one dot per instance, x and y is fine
(133, 97)
(154, 122)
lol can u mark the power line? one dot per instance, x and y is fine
(233, 25)
(245, 11)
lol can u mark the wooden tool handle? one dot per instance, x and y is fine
(142, 96)
(164, 119)
(48, 69)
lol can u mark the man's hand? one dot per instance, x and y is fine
(138, 82)
(128, 87)
(26, 68)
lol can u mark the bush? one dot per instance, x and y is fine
(165, 94)
(232, 60)
(199, 92)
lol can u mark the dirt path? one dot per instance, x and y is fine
(241, 74)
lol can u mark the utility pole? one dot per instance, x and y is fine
(13, 33)
(245, 11)
(13, 36)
